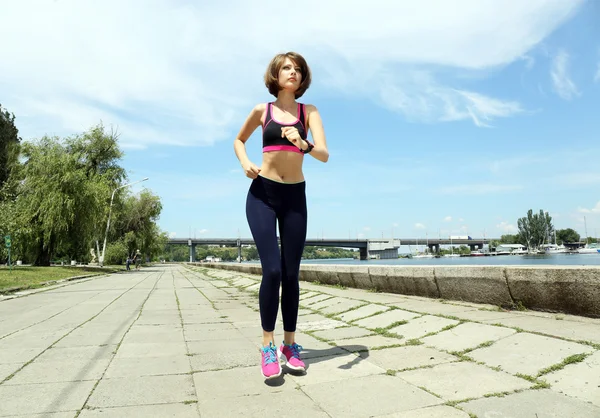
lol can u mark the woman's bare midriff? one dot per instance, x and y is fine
(282, 166)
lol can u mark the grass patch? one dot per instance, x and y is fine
(526, 377)
(189, 402)
(391, 372)
(385, 333)
(575, 358)
(541, 384)
(31, 277)
(414, 341)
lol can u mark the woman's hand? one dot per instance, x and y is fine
(251, 170)
(293, 136)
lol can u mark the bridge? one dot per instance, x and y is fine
(369, 248)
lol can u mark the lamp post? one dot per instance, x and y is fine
(109, 212)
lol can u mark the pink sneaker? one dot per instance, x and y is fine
(292, 356)
(270, 367)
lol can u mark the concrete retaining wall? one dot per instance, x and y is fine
(568, 289)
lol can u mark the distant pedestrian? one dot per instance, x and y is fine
(277, 195)
(138, 260)
(128, 263)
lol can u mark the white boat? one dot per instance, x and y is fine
(592, 248)
(589, 249)
(553, 249)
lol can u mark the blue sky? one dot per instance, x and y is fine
(440, 120)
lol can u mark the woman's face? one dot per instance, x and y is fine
(289, 75)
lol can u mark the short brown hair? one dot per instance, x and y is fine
(272, 73)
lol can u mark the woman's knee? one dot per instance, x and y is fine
(272, 274)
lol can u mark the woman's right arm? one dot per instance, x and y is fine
(252, 122)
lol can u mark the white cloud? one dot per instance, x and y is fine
(594, 210)
(448, 219)
(478, 189)
(202, 231)
(419, 226)
(172, 234)
(183, 73)
(395, 224)
(507, 227)
(461, 220)
(360, 235)
(367, 228)
(563, 85)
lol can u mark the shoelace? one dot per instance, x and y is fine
(269, 355)
(295, 348)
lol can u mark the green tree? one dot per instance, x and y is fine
(567, 235)
(509, 239)
(63, 194)
(9, 145)
(535, 229)
(135, 223)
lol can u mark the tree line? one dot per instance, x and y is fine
(537, 229)
(181, 253)
(55, 196)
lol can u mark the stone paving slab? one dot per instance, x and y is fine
(147, 366)
(343, 306)
(441, 411)
(409, 357)
(315, 299)
(342, 333)
(580, 380)
(8, 369)
(177, 410)
(369, 396)
(129, 391)
(282, 404)
(165, 349)
(536, 403)
(235, 383)
(42, 398)
(432, 306)
(18, 355)
(211, 355)
(457, 381)
(386, 319)
(527, 353)
(419, 327)
(368, 343)
(467, 336)
(577, 331)
(362, 312)
(60, 371)
(335, 368)
(327, 303)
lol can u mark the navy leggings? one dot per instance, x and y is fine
(269, 201)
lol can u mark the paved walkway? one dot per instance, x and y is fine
(168, 341)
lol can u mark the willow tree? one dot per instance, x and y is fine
(64, 192)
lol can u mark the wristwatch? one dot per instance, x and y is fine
(307, 150)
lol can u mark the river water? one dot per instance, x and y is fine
(507, 260)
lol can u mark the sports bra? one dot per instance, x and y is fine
(272, 140)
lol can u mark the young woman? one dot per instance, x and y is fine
(277, 196)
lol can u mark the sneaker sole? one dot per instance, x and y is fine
(271, 377)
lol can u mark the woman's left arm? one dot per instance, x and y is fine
(315, 125)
